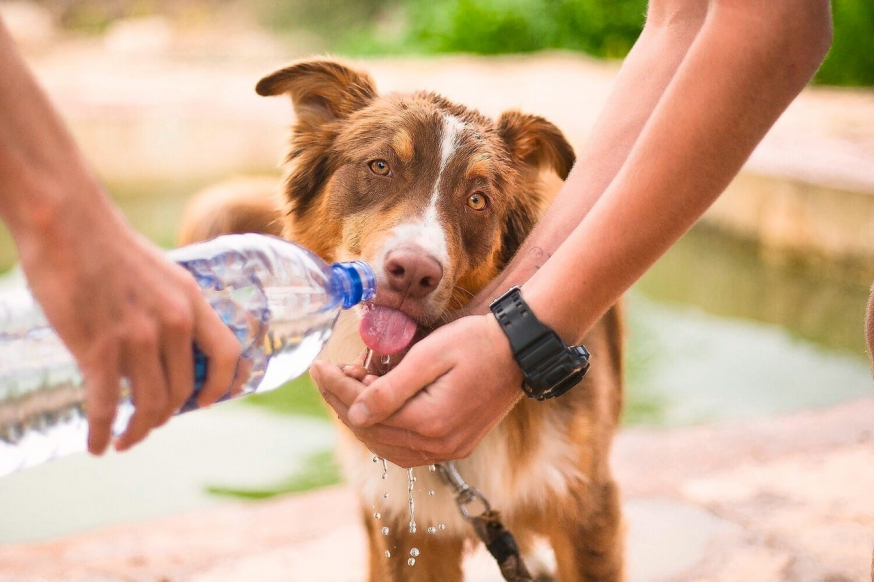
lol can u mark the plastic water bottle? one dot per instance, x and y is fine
(279, 299)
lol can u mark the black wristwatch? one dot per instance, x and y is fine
(550, 367)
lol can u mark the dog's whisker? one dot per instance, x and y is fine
(463, 290)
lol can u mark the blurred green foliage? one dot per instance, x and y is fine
(298, 397)
(602, 28)
(851, 58)
(599, 27)
(318, 470)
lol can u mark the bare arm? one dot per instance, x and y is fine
(749, 61)
(690, 105)
(120, 306)
(670, 29)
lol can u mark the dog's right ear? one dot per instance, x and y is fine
(321, 90)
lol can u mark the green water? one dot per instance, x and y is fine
(717, 331)
(823, 304)
(720, 330)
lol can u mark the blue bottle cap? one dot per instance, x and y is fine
(355, 281)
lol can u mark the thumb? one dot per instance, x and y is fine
(388, 394)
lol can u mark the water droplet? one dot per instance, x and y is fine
(441, 526)
(385, 475)
(386, 360)
(385, 496)
(411, 561)
(414, 552)
(387, 554)
(432, 468)
(377, 515)
(384, 531)
(431, 493)
(375, 459)
(413, 528)
(432, 530)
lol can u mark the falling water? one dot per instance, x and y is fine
(411, 481)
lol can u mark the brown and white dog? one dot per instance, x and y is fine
(438, 198)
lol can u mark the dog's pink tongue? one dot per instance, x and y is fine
(386, 331)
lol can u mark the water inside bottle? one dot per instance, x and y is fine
(281, 325)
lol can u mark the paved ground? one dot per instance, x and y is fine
(779, 499)
(783, 499)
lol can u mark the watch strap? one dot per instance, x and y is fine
(549, 366)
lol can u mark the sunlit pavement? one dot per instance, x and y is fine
(780, 499)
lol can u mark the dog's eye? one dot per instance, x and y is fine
(477, 201)
(380, 168)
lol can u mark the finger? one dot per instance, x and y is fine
(330, 378)
(178, 359)
(355, 371)
(102, 392)
(241, 376)
(387, 394)
(404, 443)
(398, 445)
(379, 435)
(331, 385)
(149, 391)
(338, 406)
(222, 352)
(406, 458)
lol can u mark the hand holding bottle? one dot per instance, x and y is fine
(125, 311)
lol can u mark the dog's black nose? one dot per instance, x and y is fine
(412, 273)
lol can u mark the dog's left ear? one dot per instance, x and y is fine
(321, 90)
(536, 142)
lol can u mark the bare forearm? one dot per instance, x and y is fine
(746, 65)
(643, 78)
(37, 154)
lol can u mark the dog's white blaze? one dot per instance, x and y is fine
(452, 127)
(427, 235)
(427, 232)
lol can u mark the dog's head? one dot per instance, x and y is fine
(435, 196)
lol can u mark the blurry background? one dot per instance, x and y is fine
(757, 311)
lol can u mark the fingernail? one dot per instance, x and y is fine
(359, 413)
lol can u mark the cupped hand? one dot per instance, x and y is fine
(125, 311)
(447, 393)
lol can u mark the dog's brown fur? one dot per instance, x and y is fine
(546, 465)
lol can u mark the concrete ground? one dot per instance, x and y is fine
(785, 498)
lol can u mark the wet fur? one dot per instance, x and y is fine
(545, 467)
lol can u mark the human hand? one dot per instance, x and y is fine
(447, 393)
(124, 310)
